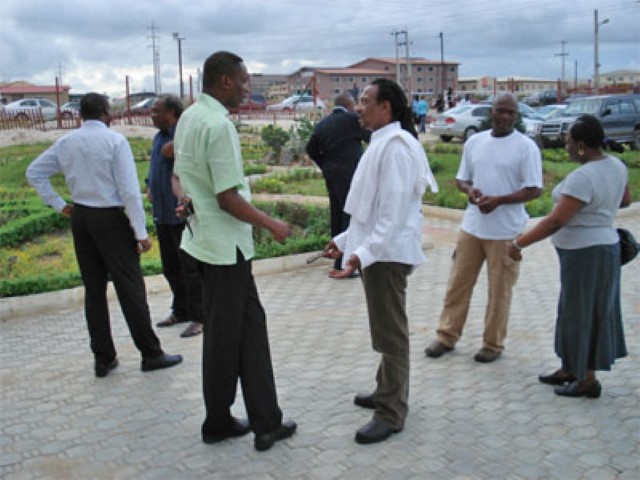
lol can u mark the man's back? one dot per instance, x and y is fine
(337, 141)
(87, 157)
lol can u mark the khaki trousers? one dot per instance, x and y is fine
(385, 285)
(469, 255)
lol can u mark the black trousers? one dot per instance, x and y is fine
(338, 183)
(181, 271)
(236, 346)
(105, 247)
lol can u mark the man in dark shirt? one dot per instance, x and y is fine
(336, 147)
(178, 267)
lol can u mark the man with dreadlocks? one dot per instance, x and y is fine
(384, 242)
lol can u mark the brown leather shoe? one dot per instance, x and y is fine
(486, 355)
(437, 349)
(193, 329)
(170, 321)
(559, 377)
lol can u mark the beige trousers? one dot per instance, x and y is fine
(469, 255)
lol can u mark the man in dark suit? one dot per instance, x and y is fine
(336, 147)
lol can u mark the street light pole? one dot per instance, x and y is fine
(178, 38)
(596, 65)
(442, 72)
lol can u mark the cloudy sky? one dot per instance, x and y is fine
(95, 44)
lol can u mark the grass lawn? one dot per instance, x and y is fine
(48, 256)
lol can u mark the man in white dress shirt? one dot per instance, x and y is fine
(108, 227)
(384, 242)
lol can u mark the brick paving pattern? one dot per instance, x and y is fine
(466, 420)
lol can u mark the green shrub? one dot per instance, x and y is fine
(255, 169)
(268, 185)
(541, 206)
(39, 284)
(24, 228)
(274, 137)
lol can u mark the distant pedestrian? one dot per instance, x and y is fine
(336, 147)
(108, 227)
(422, 109)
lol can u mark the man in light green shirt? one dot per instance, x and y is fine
(209, 167)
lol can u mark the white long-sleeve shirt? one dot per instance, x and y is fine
(99, 169)
(385, 200)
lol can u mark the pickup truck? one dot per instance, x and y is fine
(619, 115)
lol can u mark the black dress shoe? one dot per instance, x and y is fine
(559, 377)
(265, 441)
(102, 369)
(575, 389)
(375, 431)
(161, 361)
(364, 400)
(170, 321)
(237, 428)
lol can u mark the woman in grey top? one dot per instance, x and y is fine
(589, 332)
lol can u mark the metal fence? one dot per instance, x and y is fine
(66, 121)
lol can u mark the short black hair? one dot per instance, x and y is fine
(390, 91)
(93, 106)
(587, 129)
(218, 64)
(171, 102)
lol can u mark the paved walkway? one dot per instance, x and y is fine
(466, 420)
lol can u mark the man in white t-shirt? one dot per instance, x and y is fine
(501, 169)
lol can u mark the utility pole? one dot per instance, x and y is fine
(407, 80)
(60, 73)
(178, 38)
(596, 64)
(404, 80)
(575, 75)
(442, 72)
(395, 34)
(562, 56)
(155, 47)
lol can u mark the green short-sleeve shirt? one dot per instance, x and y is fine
(208, 161)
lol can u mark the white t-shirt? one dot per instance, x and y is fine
(499, 166)
(600, 186)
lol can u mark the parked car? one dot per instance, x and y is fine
(546, 97)
(549, 111)
(70, 109)
(144, 106)
(32, 108)
(619, 115)
(464, 121)
(533, 124)
(254, 102)
(297, 103)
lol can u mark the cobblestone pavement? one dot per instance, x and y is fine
(466, 420)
